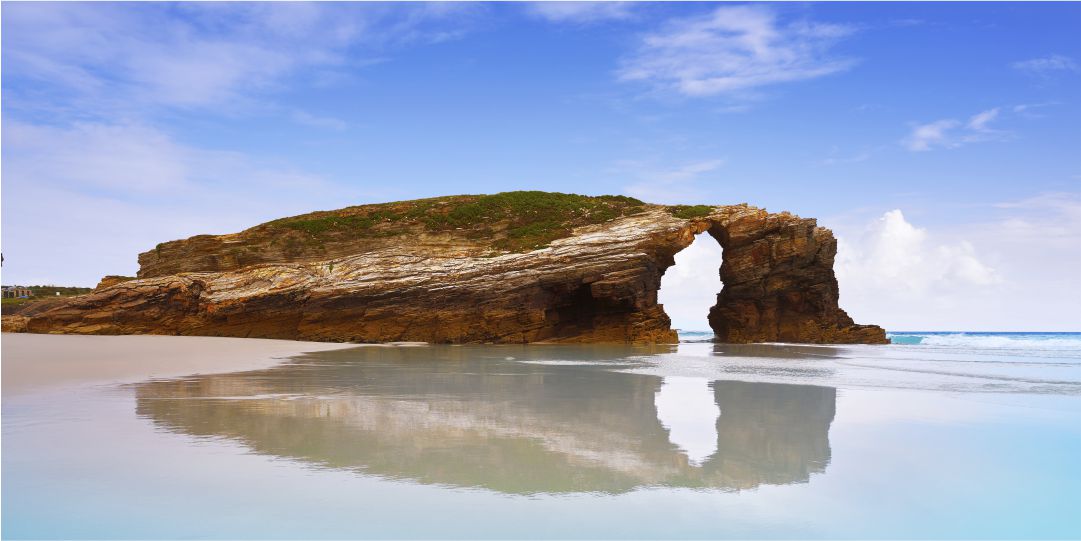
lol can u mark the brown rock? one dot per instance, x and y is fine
(596, 284)
(779, 284)
(112, 280)
(13, 323)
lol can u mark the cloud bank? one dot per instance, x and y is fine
(981, 276)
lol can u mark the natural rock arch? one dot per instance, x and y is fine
(777, 277)
(597, 284)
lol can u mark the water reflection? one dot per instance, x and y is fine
(776, 351)
(685, 406)
(515, 419)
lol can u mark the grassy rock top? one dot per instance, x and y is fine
(482, 225)
(516, 221)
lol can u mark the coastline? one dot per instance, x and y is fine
(37, 362)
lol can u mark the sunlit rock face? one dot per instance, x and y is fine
(778, 281)
(400, 282)
(552, 419)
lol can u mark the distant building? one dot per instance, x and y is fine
(15, 292)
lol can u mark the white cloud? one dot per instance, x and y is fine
(926, 136)
(1013, 271)
(734, 49)
(675, 184)
(1031, 110)
(1047, 65)
(979, 121)
(82, 201)
(581, 12)
(893, 266)
(952, 133)
(895, 253)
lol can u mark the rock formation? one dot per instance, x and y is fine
(112, 280)
(514, 267)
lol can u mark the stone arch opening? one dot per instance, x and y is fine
(778, 282)
(689, 287)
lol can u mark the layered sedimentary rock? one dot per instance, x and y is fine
(112, 280)
(778, 281)
(432, 272)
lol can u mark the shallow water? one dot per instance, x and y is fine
(927, 439)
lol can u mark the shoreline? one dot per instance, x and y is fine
(38, 362)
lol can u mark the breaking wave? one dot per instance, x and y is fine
(991, 341)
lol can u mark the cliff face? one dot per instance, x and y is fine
(518, 269)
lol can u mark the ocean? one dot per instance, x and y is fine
(939, 435)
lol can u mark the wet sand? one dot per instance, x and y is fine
(33, 362)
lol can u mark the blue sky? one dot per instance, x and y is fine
(939, 141)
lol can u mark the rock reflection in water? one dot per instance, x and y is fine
(776, 351)
(686, 407)
(515, 419)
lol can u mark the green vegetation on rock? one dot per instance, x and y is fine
(515, 221)
(688, 212)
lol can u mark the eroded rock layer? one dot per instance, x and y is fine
(598, 283)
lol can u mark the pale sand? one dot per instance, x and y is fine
(33, 362)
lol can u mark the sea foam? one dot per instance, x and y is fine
(991, 341)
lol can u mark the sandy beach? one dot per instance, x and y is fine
(32, 362)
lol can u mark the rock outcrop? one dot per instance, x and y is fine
(518, 267)
(112, 280)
